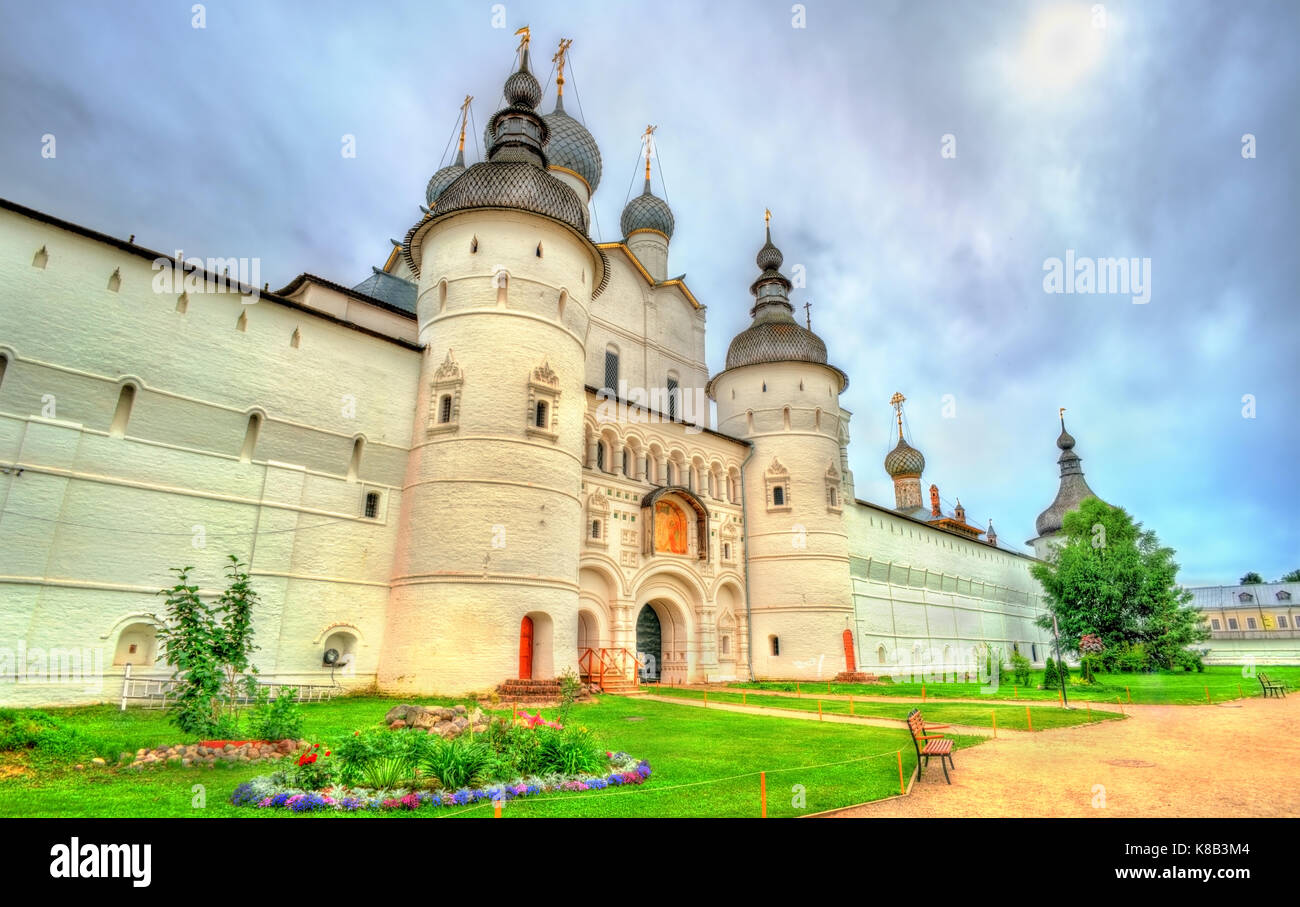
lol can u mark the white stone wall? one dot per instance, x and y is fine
(92, 524)
(928, 595)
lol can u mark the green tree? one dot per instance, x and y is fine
(1114, 580)
(1251, 579)
(1051, 680)
(1292, 577)
(233, 637)
(188, 639)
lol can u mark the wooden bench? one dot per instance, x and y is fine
(1272, 687)
(928, 744)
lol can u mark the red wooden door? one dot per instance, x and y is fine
(848, 652)
(526, 649)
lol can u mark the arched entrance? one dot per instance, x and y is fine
(649, 644)
(588, 631)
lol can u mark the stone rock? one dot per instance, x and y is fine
(187, 762)
(444, 729)
(124, 757)
(173, 760)
(460, 710)
(423, 719)
(99, 761)
(397, 713)
(460, 723)
(79, 768)
(397, 725)
(229, 748)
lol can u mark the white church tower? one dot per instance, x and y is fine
(779, 393)
(483, 581)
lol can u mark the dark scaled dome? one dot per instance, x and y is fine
(571, 146)
(904, 460)
(444, 178)
(522, 88)
(514, 184)
(1073, 489)
(647, 212)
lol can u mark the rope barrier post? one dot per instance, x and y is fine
(1129, 693)
(1121, 704)
(1207, 696)
(995, 723)
(1029, 718)
(923, 692)
(706, 699)
(796, 688)
(1240, 694)
(514, 711)
(902, 788)
(1060, 700)
(762, 791)
(819, 710)
(496, 809)
(744, 698)
(850, 705)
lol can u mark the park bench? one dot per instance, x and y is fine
(1272, 687)
(928, 744)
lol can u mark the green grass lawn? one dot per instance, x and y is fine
(1012, 717)
(1166, 688)
(704, 762)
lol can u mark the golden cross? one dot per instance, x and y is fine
(767, 215)
(523, 42)
(896, 401)
(807, 312)
(558, 60)
(645, 137)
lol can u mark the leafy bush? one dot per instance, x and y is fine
(313, 768)
(1050, 678)
(387, 772)
(276, 719)
(365, 747)
(1086, 668)
(1020, 669)
(518, 750)
(570, 751)
(459, 762)
(1189, 660)
(570, 687)
(1133, 658)
(22, 729)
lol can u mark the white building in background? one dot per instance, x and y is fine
(490, 460)
(1257, 622)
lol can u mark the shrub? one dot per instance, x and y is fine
(313, 769)
(276, 719)
(387, 772)
(1189, 660)
(1086, 668)
(1062, 672)
(1050, 677)
(570, 687)
(571, 751)
(365, 747)
(1133, 658)
(1020, 668)
(21, 729)
(459, 762)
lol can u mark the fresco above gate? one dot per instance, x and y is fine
(670, 528)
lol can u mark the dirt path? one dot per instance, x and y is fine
(1238, 759)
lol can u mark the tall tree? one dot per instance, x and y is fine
(1250, 579)
(1114, 580)
(1292, 577)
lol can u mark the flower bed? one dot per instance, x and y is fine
(273, 792)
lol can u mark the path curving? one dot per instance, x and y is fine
(1237, 759)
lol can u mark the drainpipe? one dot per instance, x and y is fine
(744, 523)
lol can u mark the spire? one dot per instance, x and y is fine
(518, 132)
(464, 118)
(1073, 489)
(647, 139)
(772, 288)
(896, 402)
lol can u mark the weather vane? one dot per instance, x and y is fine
(647, 137)
(464, 115)
(559, 60)
(896, 402)
(523, 42)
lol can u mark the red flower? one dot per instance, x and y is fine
(327, 752)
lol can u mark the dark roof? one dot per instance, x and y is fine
(388, 288)
(302, 278)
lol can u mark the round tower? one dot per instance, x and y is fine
(647, 222)
(1071, 493)
(483, 587)
(779, 392)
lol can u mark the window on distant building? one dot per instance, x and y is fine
(372, 505)
(1214, 624)
(1245, 597)
(595, 529)
(444, 409)
(1232, 623)
(776, 645)
(778, 496)
(540, 420)
(1283, 595)
(1250, 623)
(1281, 622)
(674, 394)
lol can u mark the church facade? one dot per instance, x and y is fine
(491, 459)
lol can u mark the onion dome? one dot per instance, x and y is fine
(514, 174)
(774, 335)
(444, 178)
(904, 460)
(647, 211)
(571, 146)
(1073, 490)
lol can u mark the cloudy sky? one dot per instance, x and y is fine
(922, 160)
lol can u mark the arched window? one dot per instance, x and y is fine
(4, 364)
(295, 339)
(354, 465)
(539, 250)
(880, 654)
(473, 245)
(776, 644)
(600, 455)
(372, 505)
(778, 496)
(726, 551)
(726, 645)
(1033, 652)
(122, 415)
(540, 420)
(674, 398)
(444, 408)
(250, 437)
(595, 529)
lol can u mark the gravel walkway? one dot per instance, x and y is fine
(1238, 759)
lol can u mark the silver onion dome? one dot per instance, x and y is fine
(647, 211)
(444, 178)
(571, 146)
